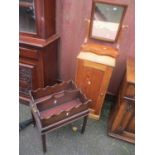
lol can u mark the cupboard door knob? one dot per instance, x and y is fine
(55, 101)
(67, 113)
(102, 94)
(89, 82)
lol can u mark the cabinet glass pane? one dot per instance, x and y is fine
(106, 21)
(27, 16)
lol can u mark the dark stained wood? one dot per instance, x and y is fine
(58, 110)
(37, 42)
(84, 124)
(40, 93)
(122, 118)
(26, 74)
(39, 50)
(44, 62)
(50, 17)
(50, 62)
(45, 18)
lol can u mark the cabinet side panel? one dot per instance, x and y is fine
(103, 89)
(50, 58)
(50, 17)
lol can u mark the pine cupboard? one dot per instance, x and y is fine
(94, 69)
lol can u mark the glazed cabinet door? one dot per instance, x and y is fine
(93, 79)
(27, 16)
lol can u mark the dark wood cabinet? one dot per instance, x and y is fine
(38, 46)
(122, 118)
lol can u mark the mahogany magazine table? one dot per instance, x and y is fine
(55, 106)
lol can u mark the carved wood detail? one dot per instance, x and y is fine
(25, 78)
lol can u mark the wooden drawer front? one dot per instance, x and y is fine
(28, 53)
(59, 106)
(25, 78)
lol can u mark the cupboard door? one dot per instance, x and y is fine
(89, 83)
(93, 79)
(26, 74)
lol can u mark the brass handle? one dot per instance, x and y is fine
(34, 109)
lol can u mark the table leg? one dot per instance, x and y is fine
(84, 124)
(34, 122)
(24, 124)
(44, 142)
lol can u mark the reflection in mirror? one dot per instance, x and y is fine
(106, 21)
(26, 16)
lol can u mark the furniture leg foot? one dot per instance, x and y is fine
(24, 124)
(34, 122)
(44, 142)
(84, 124)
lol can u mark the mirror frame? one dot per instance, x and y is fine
(91, 21)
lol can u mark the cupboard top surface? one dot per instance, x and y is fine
(101, 59)
(131, 70)
(100, 49)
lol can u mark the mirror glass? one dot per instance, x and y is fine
(27, 16)
(106, 21)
